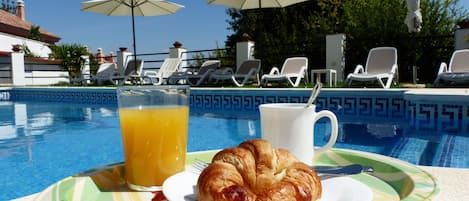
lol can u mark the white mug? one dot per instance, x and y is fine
(291, 126)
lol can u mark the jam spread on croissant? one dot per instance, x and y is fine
(237, 193)
(255, 171)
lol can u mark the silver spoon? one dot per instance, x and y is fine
(314, 94)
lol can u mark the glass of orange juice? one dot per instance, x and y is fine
(154, 123)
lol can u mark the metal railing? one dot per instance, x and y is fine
(153, 61)
(197, 57)
(5, 70)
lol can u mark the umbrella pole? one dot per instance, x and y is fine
(133, 35)
(259, 26)
(414, 58)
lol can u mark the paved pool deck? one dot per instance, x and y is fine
(453, 182)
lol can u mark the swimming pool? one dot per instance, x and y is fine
(43, 141)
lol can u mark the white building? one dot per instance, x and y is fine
(17, 70)
(14, 29)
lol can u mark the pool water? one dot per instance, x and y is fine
(41, 143)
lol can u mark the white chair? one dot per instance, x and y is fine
(167, 68)
(104, 72)
(381, 65)
(196, 78)
(458, 70)
(293, 70)
(247, 72)
(132, 73)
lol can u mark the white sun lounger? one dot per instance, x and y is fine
(293, 71)
(458, 70)
(196, 78)
(248, 71)
(381, 66)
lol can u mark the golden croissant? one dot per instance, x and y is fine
(255, 171)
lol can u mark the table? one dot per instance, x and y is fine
(327, 72)
(452, 183)
(415, 182)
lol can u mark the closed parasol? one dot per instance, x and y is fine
(414, 17)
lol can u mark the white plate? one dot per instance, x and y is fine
(345, 189)
(180, 187)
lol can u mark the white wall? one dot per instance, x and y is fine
(37, 73)
(461, 39)
(244, 51)
(33, 71)
(37, 48)
(46, 78)
(335, 54)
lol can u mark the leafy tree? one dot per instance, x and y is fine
(383, 26)
(280, 33)
(224, 55)
(435, 43)
(300, 29)
(70, 55)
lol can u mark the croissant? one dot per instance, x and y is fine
(255, 171)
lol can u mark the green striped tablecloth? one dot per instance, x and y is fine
(393, 179)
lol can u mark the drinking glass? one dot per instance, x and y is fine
(154, 125)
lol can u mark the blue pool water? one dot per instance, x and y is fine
(41, 143)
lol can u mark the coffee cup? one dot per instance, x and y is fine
(291, 126)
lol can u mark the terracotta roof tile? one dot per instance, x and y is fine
(4, 54)
(14, 25)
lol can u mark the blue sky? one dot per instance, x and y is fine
(198, 26)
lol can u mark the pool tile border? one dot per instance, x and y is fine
(423, 111)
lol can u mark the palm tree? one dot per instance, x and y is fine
(34, 33)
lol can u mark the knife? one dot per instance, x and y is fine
(343, 170)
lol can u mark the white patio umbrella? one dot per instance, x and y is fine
(131, 8)
(254, 4)
(414, 17)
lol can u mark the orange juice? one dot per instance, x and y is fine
(155, 141)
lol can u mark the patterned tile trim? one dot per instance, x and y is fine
(431, 115)
(65, 95)
(390, 105)
(424, 114)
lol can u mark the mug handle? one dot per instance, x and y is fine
(334, 129)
